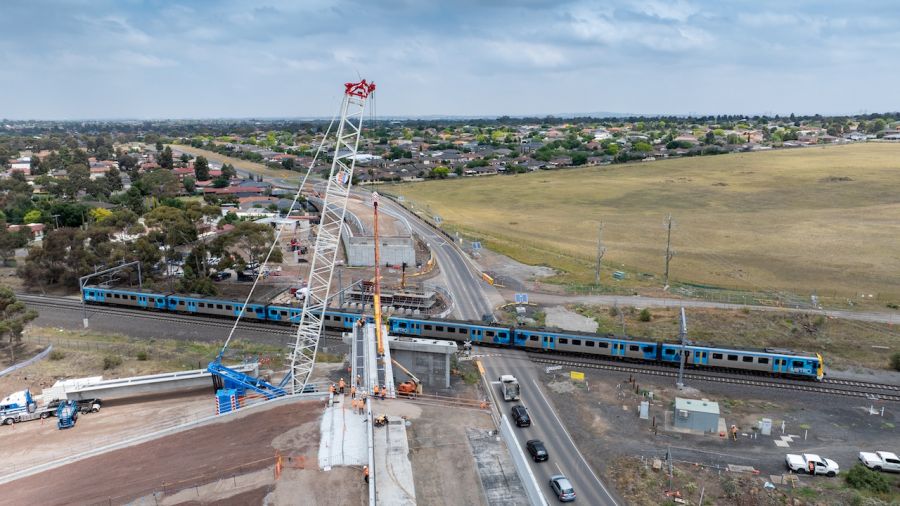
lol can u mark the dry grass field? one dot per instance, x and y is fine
(824, 219)
(246, 165)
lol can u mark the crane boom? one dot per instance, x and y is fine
(334, 206)
(377, 298)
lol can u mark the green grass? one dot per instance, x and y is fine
(775, 220)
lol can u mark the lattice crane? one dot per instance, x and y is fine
(334, 206)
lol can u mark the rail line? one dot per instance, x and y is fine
(725, 378)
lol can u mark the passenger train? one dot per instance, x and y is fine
(778, 362)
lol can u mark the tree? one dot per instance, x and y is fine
(78, 177)
(165, 159)
(189, 184)
(10, 241)
(160, 183)
(228, 171)
(15, 316)
(220, 182)
(579, 158)
(100, 214)
(185, 158)
(642, 147)
(440, 172)
(33, 216)
(114, 179)
(249, 242)
(288, 163)
(201, 169)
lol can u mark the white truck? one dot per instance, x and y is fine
(880, 461)
(811, 464)
(510, 387)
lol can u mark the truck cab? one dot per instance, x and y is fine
(509, 385)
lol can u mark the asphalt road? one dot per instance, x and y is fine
(565, 458)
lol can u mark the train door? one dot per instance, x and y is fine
(700, 357)
(142, 300)
(618, 349)
(476, 335)
(780, 365)
(519, 338)
(190, 305)
(295, 315)
(547, 343)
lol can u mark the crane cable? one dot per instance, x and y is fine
(275, 241)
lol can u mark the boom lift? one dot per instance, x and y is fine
(309, 328)
(412, 386)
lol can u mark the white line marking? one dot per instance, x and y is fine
(559, 468)
(559, 422)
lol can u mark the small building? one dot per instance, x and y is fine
(697, 415)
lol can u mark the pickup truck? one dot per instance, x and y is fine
(801, 464)
(880, 461)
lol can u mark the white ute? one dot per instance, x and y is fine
(801, 464)
(880, 461)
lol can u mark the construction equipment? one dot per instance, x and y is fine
(411, 386)
(67, 414)
(309, 328)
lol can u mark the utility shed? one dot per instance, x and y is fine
(697, 415)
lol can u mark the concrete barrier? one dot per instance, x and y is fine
(529, 482)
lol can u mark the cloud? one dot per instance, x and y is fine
(677, 10)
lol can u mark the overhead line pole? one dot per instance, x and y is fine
(600, 251)
(669, 252)
(683, 336)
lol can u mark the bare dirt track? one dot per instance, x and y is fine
(182, 461)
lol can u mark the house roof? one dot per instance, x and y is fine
(697, 405)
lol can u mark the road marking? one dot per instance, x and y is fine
(559, 422)
(559, 468)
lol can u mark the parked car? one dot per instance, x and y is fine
(520, 416)
(880, 461)
(537, 450)
(221, 275)
(562, 488)
(811, 464)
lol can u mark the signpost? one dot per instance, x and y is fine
(521, 298)
(577, 376)
(476, 245)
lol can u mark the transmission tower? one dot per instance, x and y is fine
(334, 206)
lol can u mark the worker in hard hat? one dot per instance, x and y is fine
(366, 473)
(375, 390)
(341, 385)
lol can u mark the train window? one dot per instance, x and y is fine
(590, 344)
(576, 342)
(451, 330)
(427, 327)
(763, 360)
(717, 356)
(797, 363)
(402, 325)
(439, 328)
(489, 333)
(132, 297)
(115, 296)
(219, 306)
(532, 338)
(602, 345)
(563, 340)
(647, 349)
(747, 358)
(669, 351)
(633, 347)
(733, 358)
(284, 313)
(180, 302)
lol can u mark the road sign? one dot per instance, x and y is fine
(575, 375)
(521, 298)
(437, 219)
(476, 245)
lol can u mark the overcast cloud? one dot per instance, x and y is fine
(288, 58)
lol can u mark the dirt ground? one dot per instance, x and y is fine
(606, 427)
(442, 461)
(227, 462)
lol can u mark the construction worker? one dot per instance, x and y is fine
(812, 467)
(366, 473)
(734, 432)
(358, 380)
(375, 390)
(352, 390)
(383, 391)
(353, 405)
(341, 385)
(331, 389)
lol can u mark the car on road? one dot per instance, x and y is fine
(562, 488)
(520, 416)
(537, 450)
(811, 464)
(880, 461)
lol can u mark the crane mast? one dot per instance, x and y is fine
(377, 298)
(337, 190)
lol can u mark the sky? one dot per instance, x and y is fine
(100, 59)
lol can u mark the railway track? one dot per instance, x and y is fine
(871, 391)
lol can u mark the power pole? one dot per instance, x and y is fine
(683, 336)
(600, 252)
(669, 252)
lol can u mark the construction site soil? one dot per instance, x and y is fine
(228, 462)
